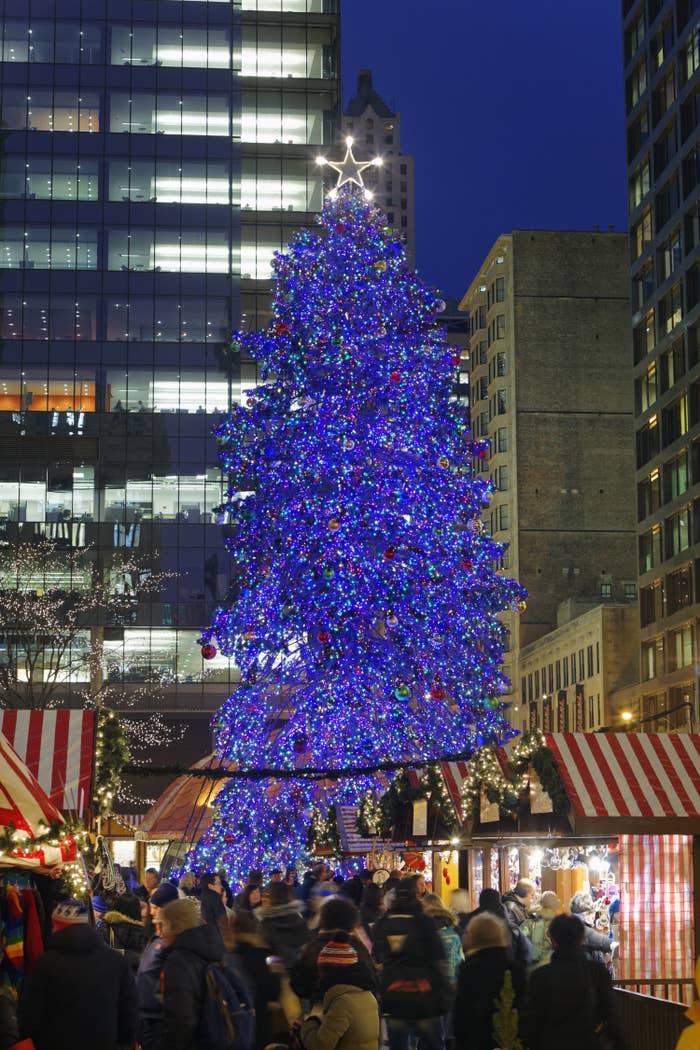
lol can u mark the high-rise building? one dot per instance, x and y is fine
(549, 390)
(662, 96)
(376, 132)
(155, 153)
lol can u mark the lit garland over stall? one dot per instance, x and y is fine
(365, 624)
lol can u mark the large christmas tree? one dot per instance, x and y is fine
(365, 624)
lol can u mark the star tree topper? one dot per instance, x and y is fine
(349, 169)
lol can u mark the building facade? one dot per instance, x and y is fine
(549, 390)
(376, 132)
(155, 153)
(662, 56)
(569, 676)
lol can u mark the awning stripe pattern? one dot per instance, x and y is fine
(629, 774)
(58, 748)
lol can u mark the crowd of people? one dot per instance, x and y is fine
(320, 964)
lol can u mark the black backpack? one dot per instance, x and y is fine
(227, 1018)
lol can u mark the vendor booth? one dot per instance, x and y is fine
(616, 813)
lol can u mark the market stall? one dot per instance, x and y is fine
(584, 810)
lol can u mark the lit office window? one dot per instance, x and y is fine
(172, 182)
(179, 46)
(41, 248)
(143, 113)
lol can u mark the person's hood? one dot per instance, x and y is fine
(204, 941)
(79, 939)
(115, 917)
(281, 914)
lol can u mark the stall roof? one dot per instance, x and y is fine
(58, 746)
(635, 781)
(185, 809)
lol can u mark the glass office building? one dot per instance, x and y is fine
(154, 154)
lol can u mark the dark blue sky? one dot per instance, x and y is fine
(513, 112)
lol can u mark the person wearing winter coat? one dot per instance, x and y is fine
(149, 1002)
(122, 929)
(518, 904)
(348, 1018)
(9, 1032)
(246, 954)
(415, 990)
(211, 899)
(536, 928)
(282, 926)
(595, 945)
(78, 993)
(446, 925)
(192, 947)
(480, 980)
(490, 901)
(337, 917)
(570, 1000)
(372, 907)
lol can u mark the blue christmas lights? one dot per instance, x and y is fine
(366, 624)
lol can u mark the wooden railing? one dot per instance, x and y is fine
(653, 1011)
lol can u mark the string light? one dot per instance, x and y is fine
(366, 625)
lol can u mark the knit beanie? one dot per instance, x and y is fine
(337, 953)
(486, 931)
(99, 905)
(164, 894)
(180, 915)
(69, 913)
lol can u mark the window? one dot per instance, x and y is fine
(589, 661)
(690, 56)
(557, 674)
(634, 37)
(639, 184)
(676, 476)
(650, 603)
(500, 289)
(641, 234)
(502, 478)
(500, 326)
(523, 690)
(581, 674)
(665, 149)
(170, 114)
(680, 648)
(597, 654)
(636, 84)
(650, 549)
(679, 590)
(49, 248)
(691, 171)
(677, 532)
(647, 441)
(648, 495)
(565, 672)
(502, 436)
(661, 44)
(690, 115)
(667, 201)
(644, 336)
(637, 134)
(645, 389)
(669, 256)
(537, 684)
(674, 420)
(642, 285)
(605, 590)
(503, 516)
(672, 365)
(652, 659)
(670, 310)
(663, 97)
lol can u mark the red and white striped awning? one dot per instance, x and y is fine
(633, 775)
(455, 773)
(350, 838)
(59, 749)
(27, 809)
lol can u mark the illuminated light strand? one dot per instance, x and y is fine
(366, 620)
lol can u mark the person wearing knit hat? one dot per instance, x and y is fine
(79, 993)
(487, 944)
(348, 1018)
(536, 928)
(163, 894)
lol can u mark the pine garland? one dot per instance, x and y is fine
(111, 755)
(14, 839)
(505, 787)
(378, 818)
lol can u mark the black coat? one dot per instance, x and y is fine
(479, 983)
(183, 984)
(410, 951)
(79, 993)
(213, 909)
(567, 1000)
(149, 1003)
(284, 930)
(125, 934)
(249, 961)
(9, 1032)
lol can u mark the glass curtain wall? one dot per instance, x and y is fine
(155, 156)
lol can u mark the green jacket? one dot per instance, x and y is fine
(350, 1021)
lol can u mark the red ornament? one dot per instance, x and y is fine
(437, 692)
(300, 745)
(282, 329)
(395, 377)
(467, 563)
(457, 359)
(323, 637)
(340, 227)
(228, 838)
(445, 873)
(389, 554)
(483, 453)
(208, 651)
(447, 880)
